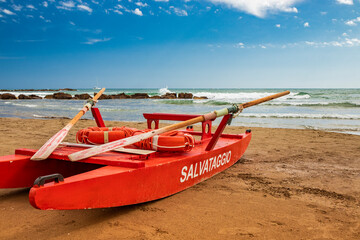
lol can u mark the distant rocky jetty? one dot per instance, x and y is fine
(37, 90)
(62, 95)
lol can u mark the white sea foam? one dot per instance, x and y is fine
(163, 91)
(298, 115)
(38, 116)
(242, 96)
(40, 94)
(26, 105)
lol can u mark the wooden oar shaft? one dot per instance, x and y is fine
(264, 99)
(131, 140)
(181, 124)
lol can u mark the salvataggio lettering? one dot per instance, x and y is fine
(205, 166)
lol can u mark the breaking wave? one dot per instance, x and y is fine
(317, 104)
(294, 115)
(177, 102)
(274, 103)
(163, 91)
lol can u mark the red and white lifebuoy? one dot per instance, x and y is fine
(173, 141)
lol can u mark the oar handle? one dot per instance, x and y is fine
(264, 99)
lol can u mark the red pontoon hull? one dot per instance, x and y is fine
(124, 181)
(115, 179)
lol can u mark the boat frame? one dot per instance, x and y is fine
(116, 179)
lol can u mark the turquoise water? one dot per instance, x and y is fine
(326, 109)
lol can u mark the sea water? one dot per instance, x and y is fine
(335, 110)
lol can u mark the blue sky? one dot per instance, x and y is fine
(180, 44)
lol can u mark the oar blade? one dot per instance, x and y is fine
(45, 151)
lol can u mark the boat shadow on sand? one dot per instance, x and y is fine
(11, 194)
(51, 224)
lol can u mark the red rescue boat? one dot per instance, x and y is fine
(122, 178)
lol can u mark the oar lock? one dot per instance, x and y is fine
(239, 109)
(89, 104)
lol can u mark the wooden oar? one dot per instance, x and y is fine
(124, 150)
(55, 140)
(134, 139)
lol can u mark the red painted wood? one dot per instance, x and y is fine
(109, 158)
(169, 116)
(218, 133)
(117, 179)
(97, 116)
(155, 117)
(88, 185)
(18, 171)
(111, 186)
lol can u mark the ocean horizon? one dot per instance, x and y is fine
(331, 109)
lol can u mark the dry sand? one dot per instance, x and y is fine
(290, 184)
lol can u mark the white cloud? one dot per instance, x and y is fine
(138, 12)
(17, 7)
(31, 7)
(343, 41)
(350, 23)
(69, 4)
(240, 45)
(353, 22)
(46, 20)
(66, 5)
(1, 16)
(140, 4)
(8, 12)
(179, 12)
(84, 8)
(306, 24)
(165, 10)
(92, 41)
(72, 23)
(118, 12)
(260, 8)
(45, 4)
(347, 42)
(161, 0)
(347, 2)
(278, 25)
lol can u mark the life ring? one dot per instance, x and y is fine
(173, 141)
(101, 135)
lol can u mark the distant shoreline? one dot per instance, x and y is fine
(37, 90)
(85, 96)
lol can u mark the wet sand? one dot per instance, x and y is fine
(290, 184)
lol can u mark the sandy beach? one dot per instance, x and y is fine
(290, 184)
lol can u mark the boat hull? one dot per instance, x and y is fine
(162, 176)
